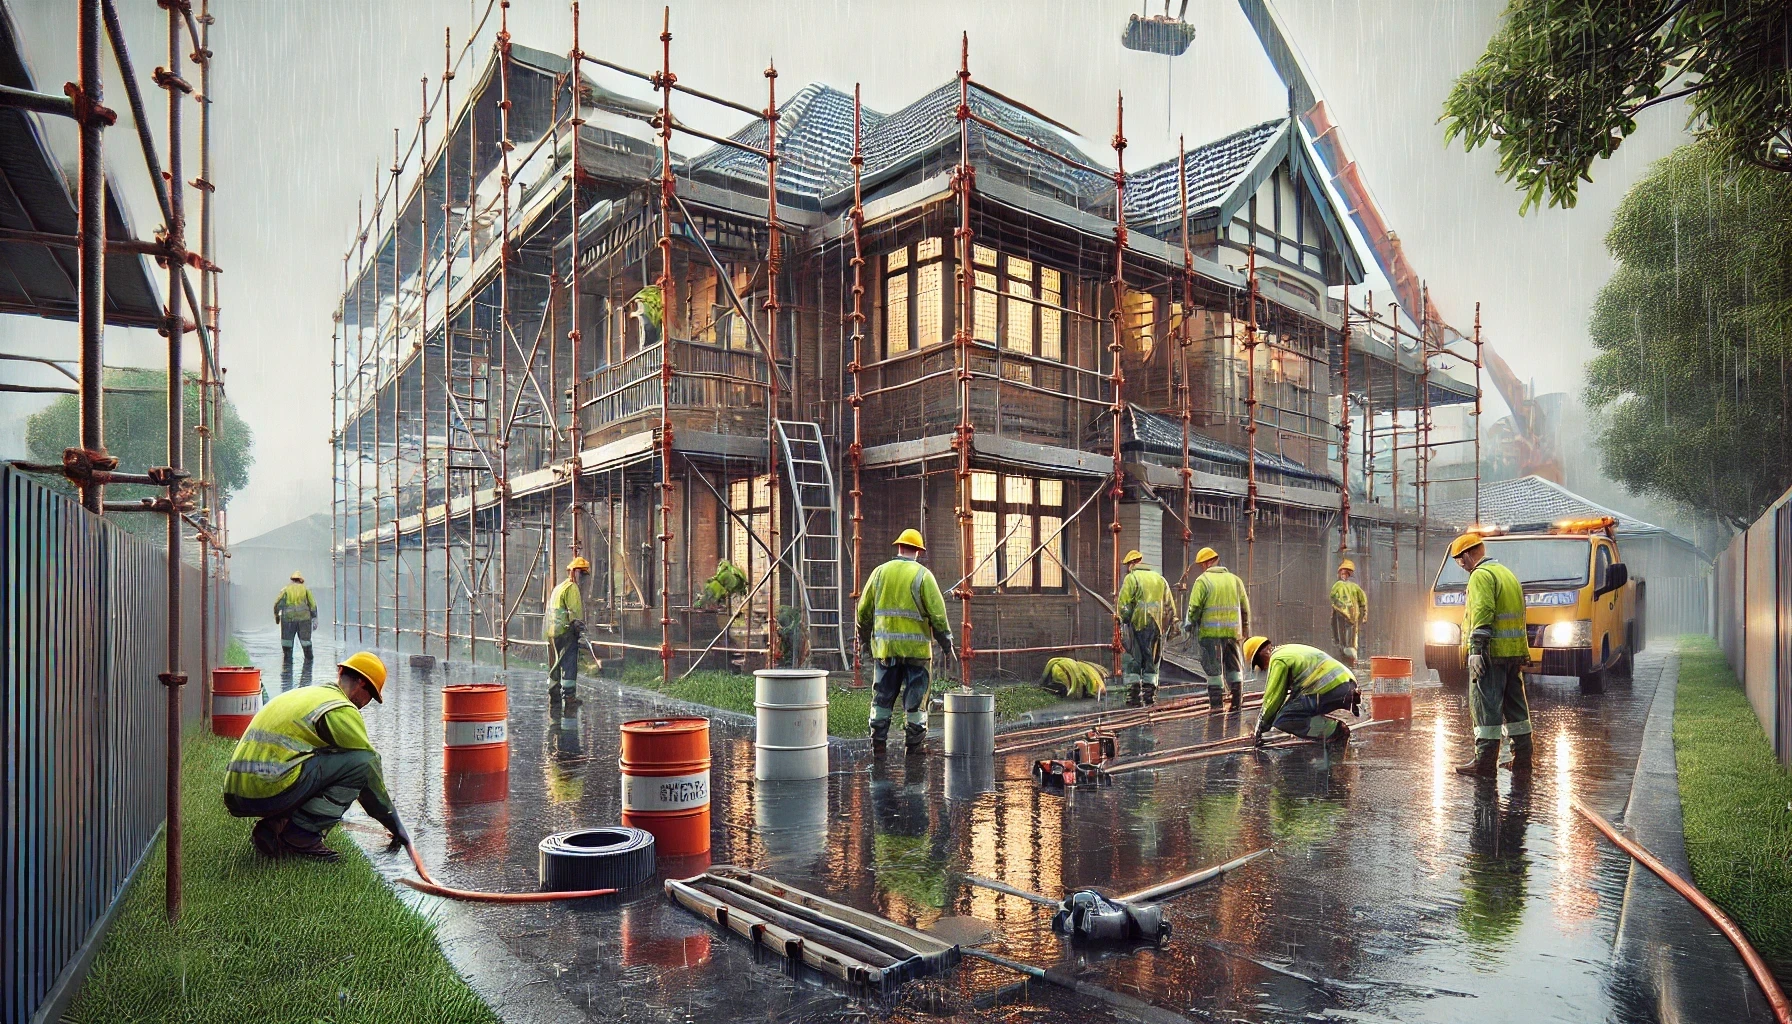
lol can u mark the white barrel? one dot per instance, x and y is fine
(791, 738)
(790, 823)
(970, 723)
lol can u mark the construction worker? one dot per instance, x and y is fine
(901, 615)
(1494, 641)
(1146, 606)
(1350, 609)
(305, 758)
(1302, 684)
(1079, 680)
(562, 625)
(1219, 614)
(295, 610)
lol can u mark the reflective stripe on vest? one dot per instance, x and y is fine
(1322, 676)
(279, 739)
(1222, 608)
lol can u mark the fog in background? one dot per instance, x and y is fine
(307, 93)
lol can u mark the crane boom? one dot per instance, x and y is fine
(1537, 450)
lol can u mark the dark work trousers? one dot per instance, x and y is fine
(1304, 716)
(1144, 650)
(1344, 631)
(1497, 705)
(329, 781)
(300, 629)
(1223, 660)
(908, 677)
(564, 669)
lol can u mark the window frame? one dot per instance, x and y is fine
(906, 280)
(1043, 519)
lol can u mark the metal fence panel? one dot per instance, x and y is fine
(84, 614)
(1677, 605)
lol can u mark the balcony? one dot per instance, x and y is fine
(714, 389)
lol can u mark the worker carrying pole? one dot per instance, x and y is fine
(1493, 635)
(1303, 684)
(1219, 614)
(305, 758)
(562, 625)
(1350, 609)
(295, 610)
(901, 615)
(1147, 613)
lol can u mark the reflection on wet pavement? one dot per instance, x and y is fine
(1397, 891)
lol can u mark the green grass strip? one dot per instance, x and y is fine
(266, 941)
(849, 710)
(236, 655)
(1737, 802)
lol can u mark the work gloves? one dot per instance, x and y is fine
(400, 834)
(576, 627)
(1257, 740)
(947, 646)
(1477, 666)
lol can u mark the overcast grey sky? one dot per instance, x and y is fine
(307, 93)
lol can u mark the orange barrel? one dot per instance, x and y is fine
(475, 729)
(1390, 682)
(665, 782)
(236, 697)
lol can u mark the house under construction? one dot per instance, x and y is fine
(560, 334)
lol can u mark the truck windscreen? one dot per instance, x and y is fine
(1536, 561)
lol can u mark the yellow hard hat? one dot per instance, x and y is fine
(1133, 556)
(1346, 564)
(1463, 543)
(910, 538)
(578, 562)
(297, 575)
(1207, 555)
(368, 666)
(1252, 646)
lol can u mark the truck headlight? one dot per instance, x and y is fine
(1442, 633)
(1571, 633)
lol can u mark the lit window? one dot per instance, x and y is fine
(983, 487)
(1139, 312)
(1019, 490)
(985, 322)
(928, 305)
(1051, 321)
(983, 254)
(896, 260)
(1051, 492)
(896, 313)
(1020, 315)
(1018, 568)
(1029, 510)
(983, 541)
(1051, 570)
(927, 249)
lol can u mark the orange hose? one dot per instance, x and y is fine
(431, 886)
(1770, 987)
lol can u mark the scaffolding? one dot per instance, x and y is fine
(191, 502)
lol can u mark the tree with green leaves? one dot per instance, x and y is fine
(1563, 81)
(136, 431)
(1693, 379)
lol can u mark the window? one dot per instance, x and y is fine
(1602, 560)
(1010, 516)
(1139, 314)
(914, 297)
(1021, 290)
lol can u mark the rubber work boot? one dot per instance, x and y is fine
(265, 836)
(1482, 764)
(554, 693)
(297, 842)
(1133, 699)
(1356, 703)
(1340, 736)
(1216, 698)
(880, 734)
(914, 738)
(1149, 690)
(1520, 761)
(1237, 697)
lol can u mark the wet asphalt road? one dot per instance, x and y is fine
(1398, 891)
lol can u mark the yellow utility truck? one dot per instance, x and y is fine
(1583, 613)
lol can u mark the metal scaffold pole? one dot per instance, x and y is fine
(175, 329)
(668, 195)
(774, 261)
(423, 375)
(505, 258)
(1250, 417)
(1344, 438)
(1115, 347)
(856, 452)
(574, 336)
(447, 344)
(397, 405)
(1185, 392)
(963, 182)
(93, 119)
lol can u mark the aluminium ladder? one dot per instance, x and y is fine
(817, 522)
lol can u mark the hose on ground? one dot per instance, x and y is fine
(1770, 987)
(431, 886)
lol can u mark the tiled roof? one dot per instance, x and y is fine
(1532, 499)
(1163, 435)
(814, 144)
(1214, 169)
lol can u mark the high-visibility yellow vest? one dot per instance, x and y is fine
(1496, 599)
(901, 606)
(1079, 679)
(1349, 600)
(564, 605)
(1218, 605)
(1145, 598)
(289, 729)
(1296, 670)
(295, 604)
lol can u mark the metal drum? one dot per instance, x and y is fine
(791, 738)
(1390, 687)
(476, 729)
(236, 697)
(665, 782)
(970, 723)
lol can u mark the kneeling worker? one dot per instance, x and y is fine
(305, 758)
(901, 613)
(1146, 608)
(1303, 684)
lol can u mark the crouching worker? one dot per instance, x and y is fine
(1080, 680)
(305, 758)
(1303, 684)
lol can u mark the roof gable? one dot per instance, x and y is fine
(814, 144)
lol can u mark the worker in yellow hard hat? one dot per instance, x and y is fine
(1496, 647)
(901, 615)
(1301, 685)
(1147, 613)
(305, 758)
(295, 610)
(1219, 614)
(1350, 609)
(562, 626)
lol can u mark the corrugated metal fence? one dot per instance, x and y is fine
(1678, 605)
(1753, 594)
(84, 607)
